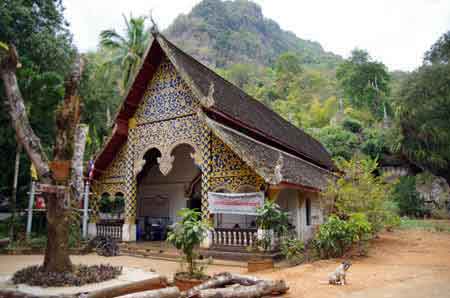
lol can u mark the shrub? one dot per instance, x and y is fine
(293, 250)
(359, 191)
(187, 235)
(336, 236)
(352, 125)
(361, 230)
(408, 200)
(333, 238)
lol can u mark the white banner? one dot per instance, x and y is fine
(235, 203)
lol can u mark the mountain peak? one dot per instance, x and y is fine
(221, 33)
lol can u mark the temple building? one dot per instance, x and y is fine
(184, 134)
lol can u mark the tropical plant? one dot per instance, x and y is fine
(270, 217)
(128, 49)
(188, 235)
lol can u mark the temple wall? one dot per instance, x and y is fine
(166, 118)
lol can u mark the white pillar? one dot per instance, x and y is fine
(128, 232)
(30, 210)
(207, 241)
(85, 209)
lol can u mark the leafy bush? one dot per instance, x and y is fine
(336, 236)
(408, 200)
(361, 230)
(359, 191)
(187, 235)
(352, 125)
(293, 250)
(339, 142)
(333, 238)
(375, 143)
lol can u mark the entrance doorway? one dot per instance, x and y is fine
(160, 197)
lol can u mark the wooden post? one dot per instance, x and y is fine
(14, 192)
(30, 209)
(85, 209)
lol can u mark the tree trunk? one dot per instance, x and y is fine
(134, 287)
(14, 192)
(262, 288)
(58, 228)
(24, 133)
(171, 292)
(56, 254)
(77, 161)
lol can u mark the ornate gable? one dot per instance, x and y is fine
(167, 96)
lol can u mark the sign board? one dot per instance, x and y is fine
(235, 203)
(50, 188)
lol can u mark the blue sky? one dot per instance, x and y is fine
(396, 32)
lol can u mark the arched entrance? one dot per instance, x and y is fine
(160, 197)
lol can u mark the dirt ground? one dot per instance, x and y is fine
(410, 263)
(407, 263)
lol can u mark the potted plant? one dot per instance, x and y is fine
(186, 236)
(271, 222)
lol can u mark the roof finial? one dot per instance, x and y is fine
(154, 29)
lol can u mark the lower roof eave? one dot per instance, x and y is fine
(290, 185)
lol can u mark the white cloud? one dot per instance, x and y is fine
(396, 32)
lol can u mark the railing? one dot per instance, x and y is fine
(111, 228)
(233, 237)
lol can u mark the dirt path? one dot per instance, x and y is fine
(400, 264)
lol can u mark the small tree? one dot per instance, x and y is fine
(359, 190)
(187, 235)
(273, 221)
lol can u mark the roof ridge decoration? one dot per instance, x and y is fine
(277, 175)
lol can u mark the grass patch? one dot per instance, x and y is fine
(425, 224)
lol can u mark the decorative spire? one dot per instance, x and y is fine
(154, 29)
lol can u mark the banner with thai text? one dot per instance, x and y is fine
(235, 203)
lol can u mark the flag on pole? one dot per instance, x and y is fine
(33, 172)
(91, 169)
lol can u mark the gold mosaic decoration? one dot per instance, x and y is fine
(167, 96)
(166, 118)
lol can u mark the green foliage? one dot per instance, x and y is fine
(334, 237)
(39, 31)
(408, 200)
(128, 49)
(358, 190)
(422, 108)
(187, 235)
(364, 81)
(361, 229)
(352, 125)
(237, 32)
(423, 224)
(375, 143)
(338, 141)
(271, 217)
(293, 250)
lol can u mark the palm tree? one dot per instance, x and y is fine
(127, 50)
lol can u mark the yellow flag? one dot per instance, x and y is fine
(33, 172)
